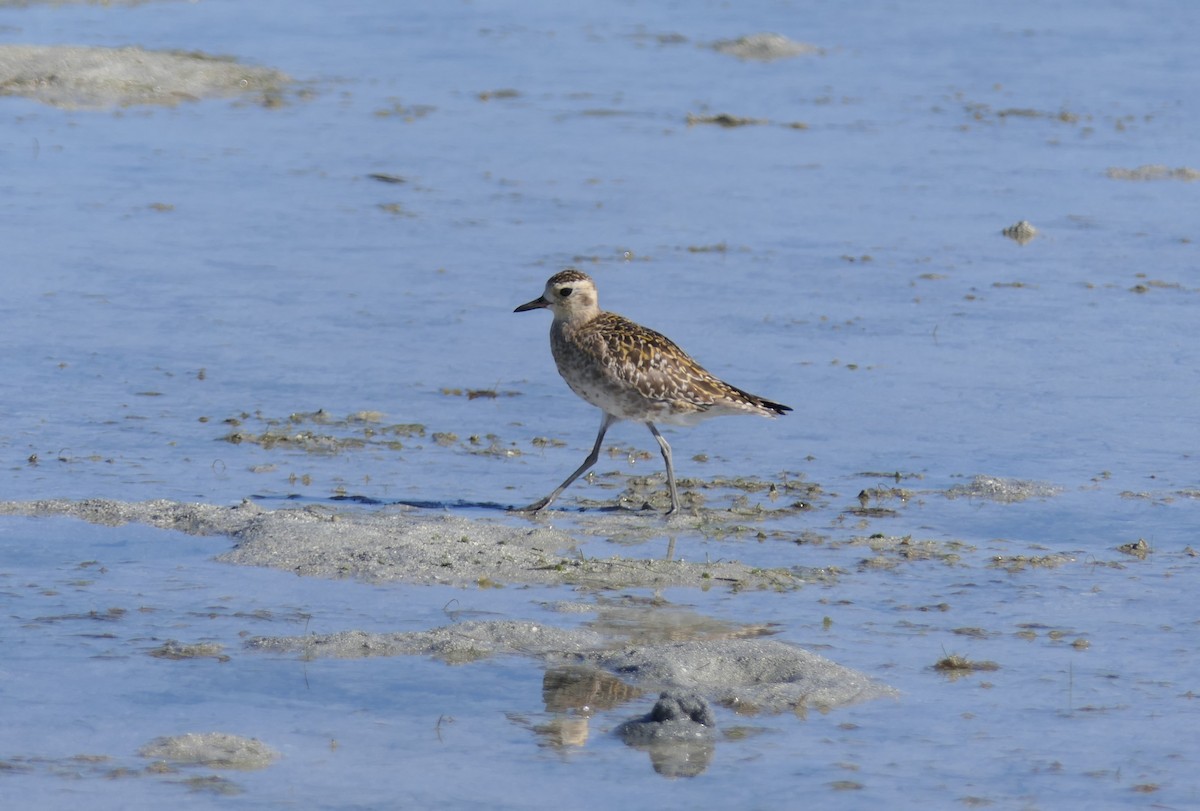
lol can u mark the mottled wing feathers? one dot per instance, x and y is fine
(661, 371)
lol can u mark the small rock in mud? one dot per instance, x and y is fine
(1021, 232)
(679, 735)
(675, 717)
(1139, 548)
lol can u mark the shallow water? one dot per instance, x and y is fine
(169, 270)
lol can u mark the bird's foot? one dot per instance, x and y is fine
(536, 507)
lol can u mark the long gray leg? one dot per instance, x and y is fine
(666, 452)
(608, 420)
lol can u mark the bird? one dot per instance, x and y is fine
(630, 372)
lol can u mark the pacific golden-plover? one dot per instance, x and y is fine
(630, 372)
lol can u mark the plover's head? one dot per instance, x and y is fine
(569, 294)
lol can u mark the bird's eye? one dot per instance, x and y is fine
(564, 291)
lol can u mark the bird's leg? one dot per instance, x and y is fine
(666, 453)
(587, 463)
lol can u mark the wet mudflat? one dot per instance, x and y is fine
(267, 407)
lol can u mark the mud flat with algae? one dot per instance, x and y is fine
(90, 77)
(408, 545)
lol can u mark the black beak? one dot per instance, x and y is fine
(540, 301)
